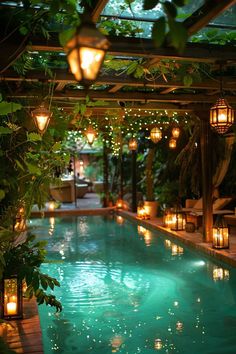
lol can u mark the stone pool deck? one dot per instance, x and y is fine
(25, 336)
(193, 240)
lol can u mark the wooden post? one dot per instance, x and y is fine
(121, 174)
(105, 175)
(134, 182)
(206, 162)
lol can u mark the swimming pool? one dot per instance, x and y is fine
(128, 290)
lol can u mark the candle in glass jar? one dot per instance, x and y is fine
(11, 308)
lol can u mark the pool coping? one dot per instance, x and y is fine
(193, 240)
(27, 334)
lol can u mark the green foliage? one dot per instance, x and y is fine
(24, 259)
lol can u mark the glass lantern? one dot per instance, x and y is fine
(220, 235)
(168, 218)
(86, 51)
(41, 116)
(133, 144)
(11, 298)
(172, 143)
(221, 116)
(155, 134)
(175, 132)
(178, 220)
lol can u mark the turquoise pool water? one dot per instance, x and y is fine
(128, 290)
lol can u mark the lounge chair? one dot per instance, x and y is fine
(194, 209)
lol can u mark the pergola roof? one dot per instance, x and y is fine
(161, 92)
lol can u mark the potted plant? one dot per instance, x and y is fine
(151, 205)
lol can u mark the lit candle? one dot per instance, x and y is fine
(11, 308)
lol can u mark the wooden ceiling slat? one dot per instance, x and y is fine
(127, 96)
(122, 46)
(208, 11)
(63, 76)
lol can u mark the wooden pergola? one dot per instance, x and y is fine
(170, 95)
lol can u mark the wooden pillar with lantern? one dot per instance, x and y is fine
(205, 140)
(105, 174)
(133, 145)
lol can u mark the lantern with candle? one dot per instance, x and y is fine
(220, 234)
(168, 218)
(11, 298)
(178, 219)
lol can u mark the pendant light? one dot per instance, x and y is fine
(41, 116)
(86, 51)
(133, 144)
(175, 132)
(221, 114)
(90, 134)
(172, 143)
(155, 135)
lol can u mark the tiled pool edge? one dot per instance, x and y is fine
(193, 240)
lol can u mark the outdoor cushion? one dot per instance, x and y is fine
(198, 204)
(219, 203)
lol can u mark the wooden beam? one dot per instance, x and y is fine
(120, 46)
(168, 90)
(127, 96)
(63, 76)
(60, 86)
(97, 9)
(209, 10)
(116, 88)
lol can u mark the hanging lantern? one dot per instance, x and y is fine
(90, 134)
(172, 143)
(86, 51)
(119, 203)
(178, 220)
(175, 132)
(11, 298)
(155, 135)
(220, 234)
(221, 116)
(41, 116)
(133, 144)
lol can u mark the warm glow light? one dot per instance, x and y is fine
(221, 116)
(11, 308)
(133, 144)
(119, 203)
(155, 134)
(90, 135)
(142, 213)
(172, 143)
(220, 237)
(158, 344)
(175, 132)
(51, 205)
(86, 51)
(176, 250)
(41, 116)
(220, 274)
(168, 219)
(178, 221)
(179, 326)
(119, 220)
